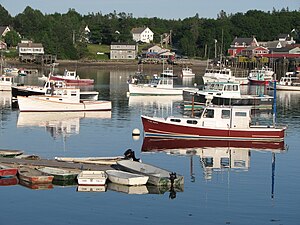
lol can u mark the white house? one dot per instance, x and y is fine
(143, 34)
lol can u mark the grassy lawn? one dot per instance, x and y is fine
(98, 52)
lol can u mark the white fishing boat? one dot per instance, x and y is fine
(227, 93)
(88, 177)
(218, 75)
(187, 72)
(62, 100)
(126, 178)
(6, 82)
(157, 86)
(261, 76)
(27, 90)
(290, 82)
(157, 176)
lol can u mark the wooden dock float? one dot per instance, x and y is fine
(54, 163)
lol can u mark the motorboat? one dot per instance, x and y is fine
(226, 93)
(187, 72)
(62, 100)
(27, 90)
(261, 76)
(289, 82)
(157, 86)
(6, 82)
(218, 75)
(215, 123)
(71, 78)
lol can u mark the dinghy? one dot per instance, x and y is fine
(126, 178)
(157, 176)
(59, 173)
(92, 178)
(34, 176)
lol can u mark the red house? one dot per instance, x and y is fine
(238, 44)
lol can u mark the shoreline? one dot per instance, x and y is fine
(109, 63)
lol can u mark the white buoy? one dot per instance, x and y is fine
(136, 132)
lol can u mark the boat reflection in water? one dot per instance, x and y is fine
(137, 190)
(58, 123)
(9, 181)
(36, 186)
(214, 155)
(5, 100)
(163, 105)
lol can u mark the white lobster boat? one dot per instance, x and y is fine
(62, 100)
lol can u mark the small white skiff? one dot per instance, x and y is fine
(92, 178)
(126, 178)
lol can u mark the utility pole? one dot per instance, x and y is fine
(170, 38)
(216, 48)
(73, 37)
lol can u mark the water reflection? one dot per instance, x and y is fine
(157, 105)
(215, 156)
(5, 100)
(58, 123)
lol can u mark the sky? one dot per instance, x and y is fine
(165, 9)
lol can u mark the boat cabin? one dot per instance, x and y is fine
(231, 117)
(7, 79)
(161, 82)
(289, 80)
(223, 89)
(70, 95)
(71, 75)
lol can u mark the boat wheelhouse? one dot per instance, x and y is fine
(226, 93)
(218, 75)
(290, 82)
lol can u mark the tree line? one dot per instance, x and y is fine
(63, 34)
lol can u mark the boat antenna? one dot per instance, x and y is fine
(274, 102)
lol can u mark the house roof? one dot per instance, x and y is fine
(30, 45)
(247, 41)
(123, 43)
(2, 29)
(138, 30)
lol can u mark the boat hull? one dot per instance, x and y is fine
(160, 127)
(8, 172)
(59, 174)
(125, 178)
(35, 104)
(34, 176)
(138, 89)
(74, 82)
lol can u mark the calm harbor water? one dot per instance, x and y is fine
(223, 185)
